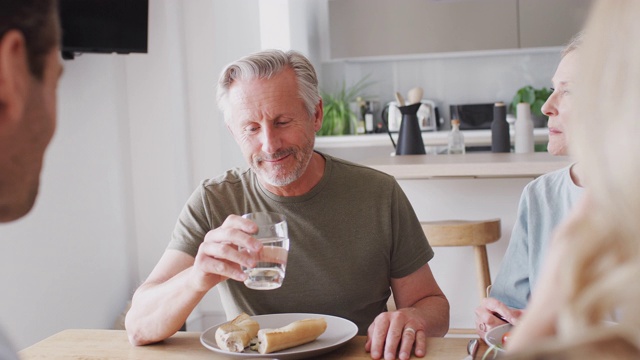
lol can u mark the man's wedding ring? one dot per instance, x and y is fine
(411, 330)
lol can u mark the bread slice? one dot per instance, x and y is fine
(297, 333)
(235, 335)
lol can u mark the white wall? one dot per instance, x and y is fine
(69, 263)
(136, 134)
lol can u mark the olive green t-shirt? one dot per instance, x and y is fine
(349, 235)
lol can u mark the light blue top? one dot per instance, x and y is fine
(543, 205)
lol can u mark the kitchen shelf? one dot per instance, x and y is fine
(445, 55)
(433, 138)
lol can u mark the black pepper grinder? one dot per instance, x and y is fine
(500, 138)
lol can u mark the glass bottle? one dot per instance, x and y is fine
(456, 139)
(361, 126)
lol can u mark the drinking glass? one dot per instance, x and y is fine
(270, 269)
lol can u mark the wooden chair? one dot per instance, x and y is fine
(467, 233)
(464, 233)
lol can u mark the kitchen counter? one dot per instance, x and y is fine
(470, 165)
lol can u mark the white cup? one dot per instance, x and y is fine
(270, 269)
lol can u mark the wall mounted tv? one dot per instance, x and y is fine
(104, 26)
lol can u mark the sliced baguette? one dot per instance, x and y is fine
(297, 333)
(235, 335)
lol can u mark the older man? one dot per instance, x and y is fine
(29, 73)
(354, 235)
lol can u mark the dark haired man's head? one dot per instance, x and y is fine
(29, 72)
(38, 22)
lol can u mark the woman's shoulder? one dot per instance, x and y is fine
(551, 181)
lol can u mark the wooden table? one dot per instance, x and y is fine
(113, 344)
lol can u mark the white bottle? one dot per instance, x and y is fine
(456, 139)
(524, 129)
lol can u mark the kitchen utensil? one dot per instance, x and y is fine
(524, 129)
(493, 337)
(472, 348)
(338, 332)
(415, 95)
(399, 99)
(427, 116)
(496, 314)
(410, 137)
(500, 138)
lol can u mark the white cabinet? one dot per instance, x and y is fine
(395, 27)
(362, 28)
(550, 22)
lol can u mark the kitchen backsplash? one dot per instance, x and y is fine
(456, 78)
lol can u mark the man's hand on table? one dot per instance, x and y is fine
(396, 332)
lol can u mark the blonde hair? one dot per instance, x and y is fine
(602, 273)
(573, 44)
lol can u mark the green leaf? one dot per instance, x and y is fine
(338, 118)
(528, 95)
(535, 97)
(536, 107)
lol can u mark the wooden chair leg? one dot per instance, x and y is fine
(482, 269)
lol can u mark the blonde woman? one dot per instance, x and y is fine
(594, 266)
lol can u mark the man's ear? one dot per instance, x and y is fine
(317, 121)
(14, 76)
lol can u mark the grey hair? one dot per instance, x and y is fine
(265, 65)
(573, 44)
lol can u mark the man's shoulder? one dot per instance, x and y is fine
(231, 178)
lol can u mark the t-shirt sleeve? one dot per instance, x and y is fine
(192, 225)
(410, 247)
(511, 285)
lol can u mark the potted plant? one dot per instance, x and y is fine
(339, 118)
(536, 98)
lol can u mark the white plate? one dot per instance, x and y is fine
(494, 336)
(338, 332)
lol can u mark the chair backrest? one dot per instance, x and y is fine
(462, 232)
(467, 233)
